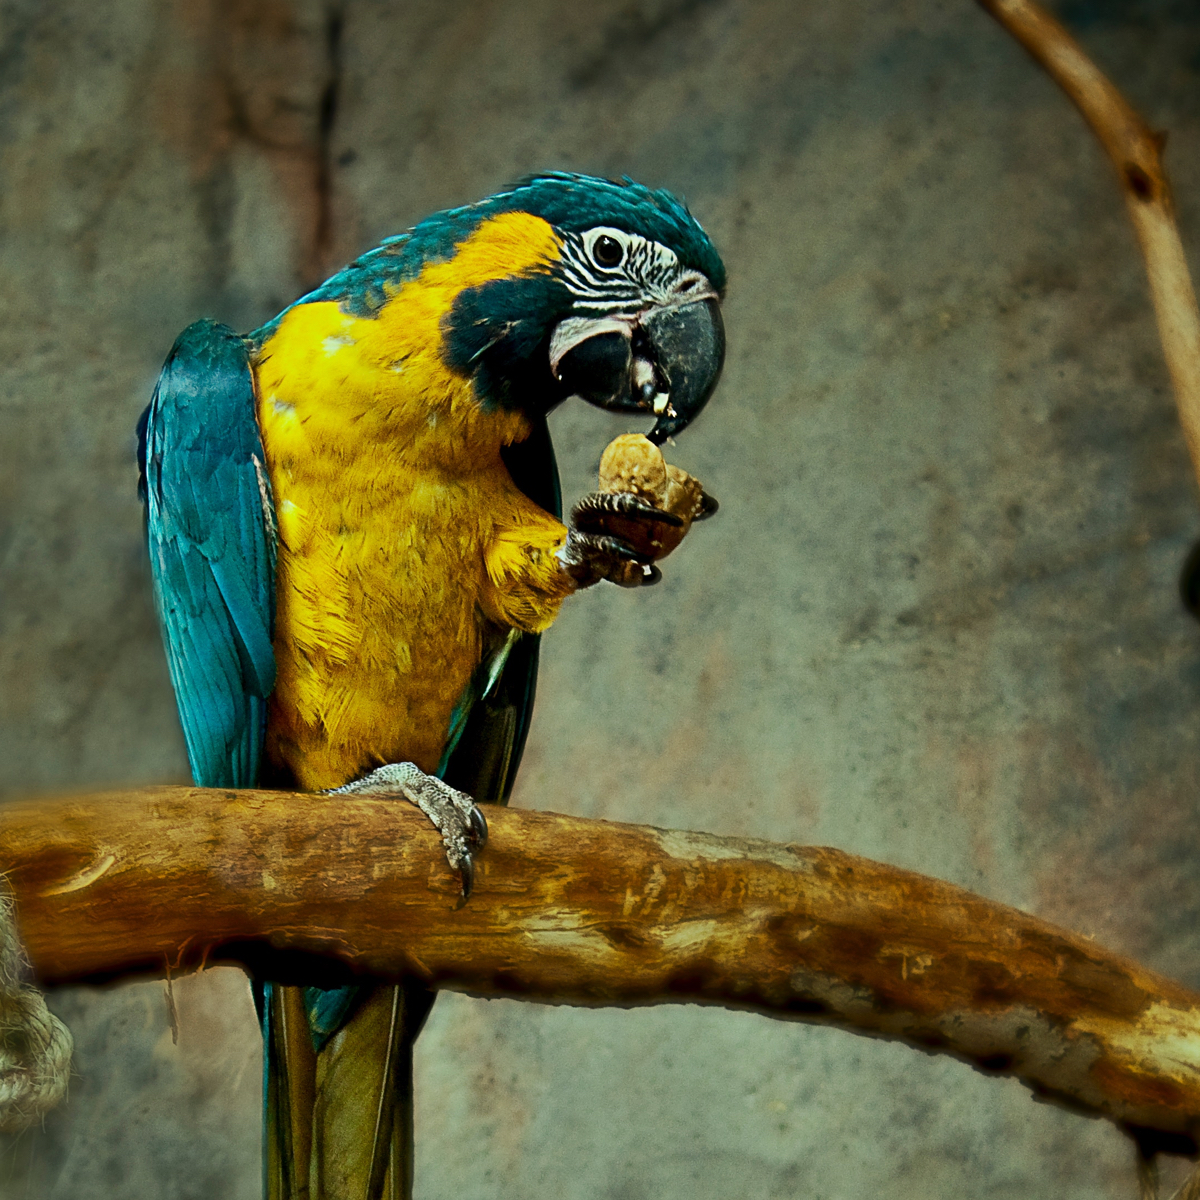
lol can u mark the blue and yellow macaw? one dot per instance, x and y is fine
(353, 523)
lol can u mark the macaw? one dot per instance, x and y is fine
(353, 521)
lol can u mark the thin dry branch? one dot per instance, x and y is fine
(588, 912)
(1136, 153)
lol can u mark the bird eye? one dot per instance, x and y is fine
(607, 251)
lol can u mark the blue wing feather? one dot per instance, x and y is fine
(210, 533)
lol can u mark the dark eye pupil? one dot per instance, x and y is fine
(607, 251)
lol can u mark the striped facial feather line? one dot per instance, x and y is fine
(648, 273)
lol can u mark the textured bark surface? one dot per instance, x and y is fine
(595, 913)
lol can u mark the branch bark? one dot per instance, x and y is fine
(1136, 153)
(584, 912)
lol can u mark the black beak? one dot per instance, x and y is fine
(688, 347)
(668, 365)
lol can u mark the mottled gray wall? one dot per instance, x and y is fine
(935, 623)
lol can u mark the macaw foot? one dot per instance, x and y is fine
(454, 814)
(592, 552)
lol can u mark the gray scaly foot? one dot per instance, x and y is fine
(454, 814)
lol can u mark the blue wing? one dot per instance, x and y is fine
(210, 534)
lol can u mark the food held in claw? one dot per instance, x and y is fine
(633, 463)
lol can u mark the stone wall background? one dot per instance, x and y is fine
(936, 621)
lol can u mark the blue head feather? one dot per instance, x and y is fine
(572, 203)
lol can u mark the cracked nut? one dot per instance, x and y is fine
(633, 463)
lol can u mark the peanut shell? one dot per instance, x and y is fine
(633, 463)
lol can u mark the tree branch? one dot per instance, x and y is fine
(1136, 153)
(588, 912)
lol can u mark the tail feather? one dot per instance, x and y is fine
(290, 1085)
(339, 1120)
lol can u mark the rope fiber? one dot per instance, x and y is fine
(35, 1046)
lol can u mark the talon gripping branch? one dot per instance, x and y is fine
(353, 519)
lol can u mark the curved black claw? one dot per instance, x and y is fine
(590, 557)
(590, 513)
(708, 506)
(453, 813)
(478, 833)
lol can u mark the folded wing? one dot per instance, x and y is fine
(211, 538)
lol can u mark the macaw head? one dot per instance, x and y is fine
(564, 285)
(626, 314)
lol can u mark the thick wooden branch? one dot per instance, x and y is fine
(588, 912)
(1136, 153)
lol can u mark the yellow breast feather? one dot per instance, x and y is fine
(398, 522)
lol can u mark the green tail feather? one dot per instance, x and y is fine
(339, 1120)
(289, 1086)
